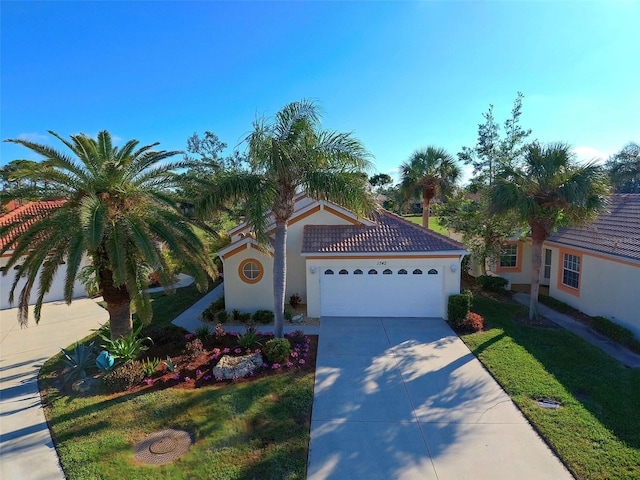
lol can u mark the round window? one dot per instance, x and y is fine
(251, 270)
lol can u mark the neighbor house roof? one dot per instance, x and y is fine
(26, 215)
(615, 232)
(390, 234)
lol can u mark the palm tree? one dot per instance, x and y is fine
(547, 191)
(428, 172)
(120, 212)
(288, 155)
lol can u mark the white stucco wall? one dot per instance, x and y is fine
(56, 293)
(607, 288)
(450, 285)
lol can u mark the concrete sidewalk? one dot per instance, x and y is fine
(405, 399)
(611, 348)
(26, 446)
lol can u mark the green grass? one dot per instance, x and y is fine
(246, 430)
(433, 223)
(597, 431)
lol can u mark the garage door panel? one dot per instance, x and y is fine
(381, 295)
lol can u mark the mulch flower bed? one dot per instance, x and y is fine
(195, 358)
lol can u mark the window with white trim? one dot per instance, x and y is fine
(251, 270)
(571, 270)
(509, 256)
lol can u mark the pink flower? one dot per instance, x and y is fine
(238, 350)
(301, 361)
(258, 350)
(289, 364)
(187, 379)
(275, 366)
(216, 351)
(294, 354)
(207, 377)
(176, 376)
(198, 373)
(189, 336)
(226, 350)
(148, 381)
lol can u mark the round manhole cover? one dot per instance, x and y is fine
(163, 447)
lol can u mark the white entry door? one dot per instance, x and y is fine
(382, 292)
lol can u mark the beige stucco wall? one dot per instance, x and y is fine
(242, 296)
(56, 293)
(451, 282)
(607, 288)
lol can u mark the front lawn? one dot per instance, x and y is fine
(596, 432)
(433, 223)
(248, 428)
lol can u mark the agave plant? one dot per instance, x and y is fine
(126, 348)
(78, 361)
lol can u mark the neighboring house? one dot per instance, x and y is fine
(594, 268)
(28, 214)
(343, 265)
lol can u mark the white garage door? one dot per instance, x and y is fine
(382, 292)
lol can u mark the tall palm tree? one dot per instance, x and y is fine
(119, 211)
(428, 172)
(547, 191)
(288, 155)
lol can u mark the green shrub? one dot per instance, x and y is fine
(165, 335)
(203, 332)
(235, 314)
(78, 361)
(263, 316)
(249, 338)
(295, 300)
(194, 348)
(124, 376)
(244, 317)
(555, 304)
(458, 308)
(288, 314)
(221, 316)
(149, 366)
(277, 350)
(209, 313)
(612, 330)
(126, 348)
(491, 283)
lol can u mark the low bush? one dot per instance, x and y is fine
(555, 304)
(473, 322)
(491, 283)
(194, 348)
(203, 332)
(277, 350)
(219, 332)
(249, 338)
(126, 348)
(612, 330)
(164, 335)
(263, 316)
(149, 366)
(295, 300)
(221, 316)
(288, 314)
(458, 308)
(244, 317)
(235, 314)
(124, 376)
(209, 313)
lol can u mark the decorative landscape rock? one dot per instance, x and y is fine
(297, 319)
(237, 367)
(84, 385)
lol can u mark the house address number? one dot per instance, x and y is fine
(381, 262)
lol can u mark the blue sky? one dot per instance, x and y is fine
(400, 75)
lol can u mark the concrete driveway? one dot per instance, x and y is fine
(405, 399)
(25, 443)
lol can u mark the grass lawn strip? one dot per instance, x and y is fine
(433, 223)
(597, 430)
(256, 429)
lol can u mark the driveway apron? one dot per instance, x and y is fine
(404, 398)
(26, 447)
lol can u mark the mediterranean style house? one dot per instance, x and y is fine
(26, 214)
(343, 265)
(594, 268)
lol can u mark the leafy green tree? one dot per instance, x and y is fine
(624, 169)
(287, 155)
(118, 211)
(467, 213)
(380, 181)
(17, 178)
(547, 191)
(427, 173)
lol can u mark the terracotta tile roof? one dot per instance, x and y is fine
(615, 232)
(27, 214)
(391, 234)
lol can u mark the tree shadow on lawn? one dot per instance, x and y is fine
(602, 385)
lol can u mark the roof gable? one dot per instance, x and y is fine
(26, 215)
(390, 234)
(615, 232)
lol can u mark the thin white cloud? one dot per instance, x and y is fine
(34, 137)
(589, 154)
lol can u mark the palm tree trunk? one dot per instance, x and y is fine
(538, 236)
(118, 303)
(279, 275)
(426, 202)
